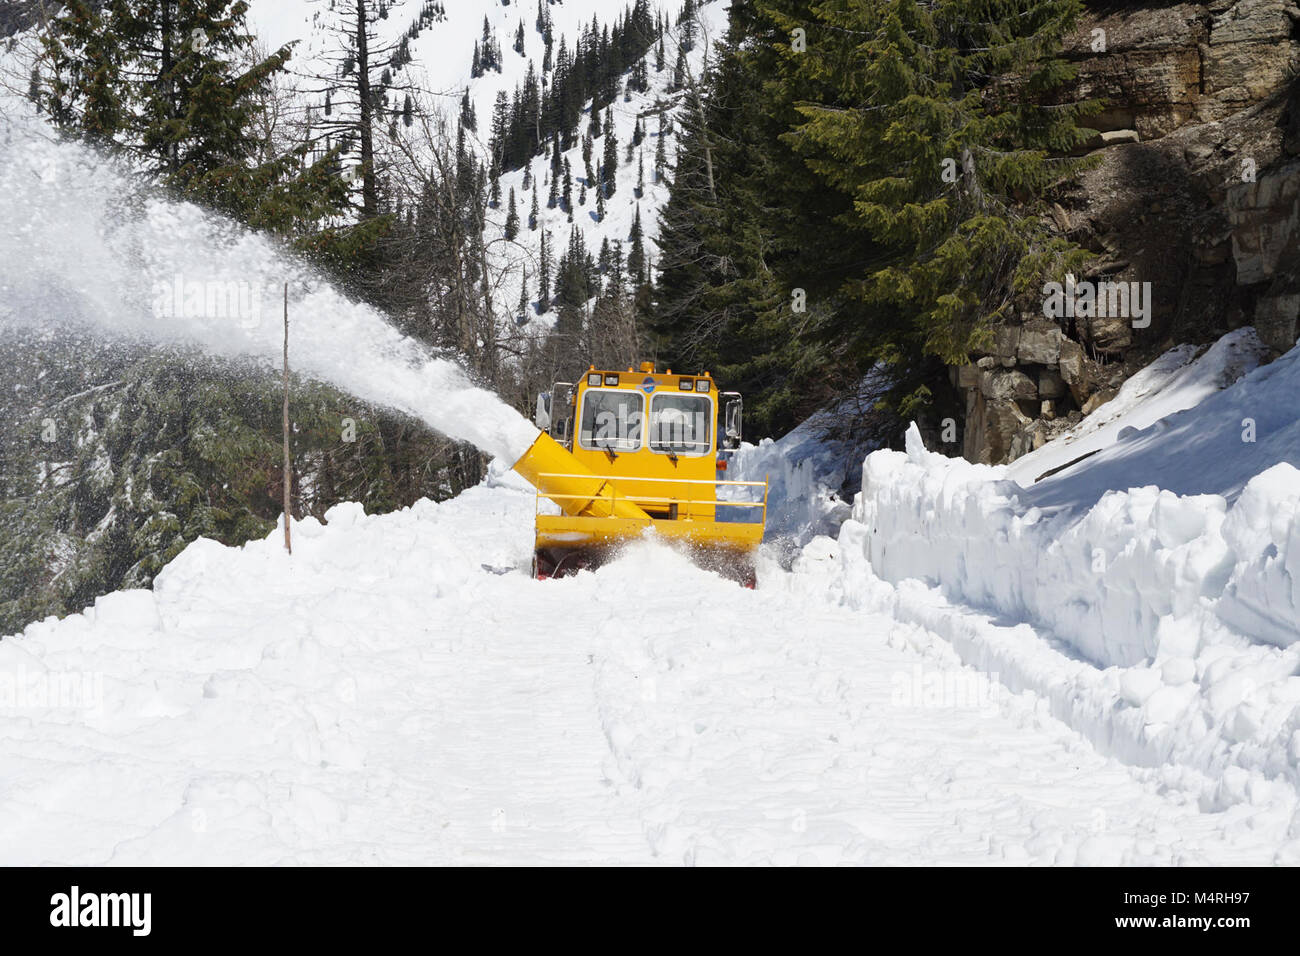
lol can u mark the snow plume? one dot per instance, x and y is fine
(81, 243)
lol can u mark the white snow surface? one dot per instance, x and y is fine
(1151, 592)
(382, 697)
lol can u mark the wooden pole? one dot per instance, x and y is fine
(288, 466)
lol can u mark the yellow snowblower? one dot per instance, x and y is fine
(628, 453)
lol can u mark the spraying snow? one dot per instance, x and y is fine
(82, 242)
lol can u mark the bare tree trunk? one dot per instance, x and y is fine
(164, 69)
(369, 191)
(288, 464)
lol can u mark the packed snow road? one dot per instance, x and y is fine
(382, 697)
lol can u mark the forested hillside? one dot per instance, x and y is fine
(897, 186)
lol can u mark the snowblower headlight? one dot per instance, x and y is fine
(686, 385)
(610, 380)
(702, 385)
(593, 380)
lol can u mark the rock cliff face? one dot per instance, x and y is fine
(1196, 191)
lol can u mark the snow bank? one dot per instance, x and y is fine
(810, 468)
(1172, 619)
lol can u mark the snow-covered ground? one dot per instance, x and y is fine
(386, 695)
(1163, 624)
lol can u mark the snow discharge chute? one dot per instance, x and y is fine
(551, 469)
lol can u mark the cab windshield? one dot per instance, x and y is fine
(681, 424)
(611, 420)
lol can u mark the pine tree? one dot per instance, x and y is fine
(687, 26)
(727, 237)
(557, 157)
(568, 190)
(544, 275)
(512, 217)
(533, 213)
(636, 255)
(609, 164)
(971, 83)
(661, 151)
(119, 77)
(521, 311)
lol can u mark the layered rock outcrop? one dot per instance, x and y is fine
(1196, 190)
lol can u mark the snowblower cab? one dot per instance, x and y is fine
(625, 453)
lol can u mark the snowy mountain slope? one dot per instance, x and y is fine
(441, 60)
(381, 697)
(1167, 623)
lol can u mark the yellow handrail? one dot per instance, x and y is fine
(674, 481)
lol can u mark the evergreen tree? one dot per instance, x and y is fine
(568, 190)
(512, 217)
(609, 164)
(636, 255)
(176, 84)
(952, 205)
(679, 72)
(521, 310)
(661, 151)
(544, 275)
